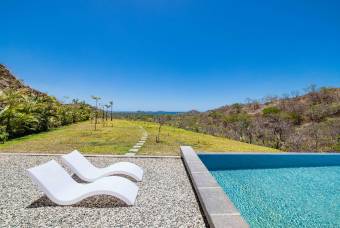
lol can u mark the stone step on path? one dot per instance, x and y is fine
(133, 150)
(130, 154)
(139, 144)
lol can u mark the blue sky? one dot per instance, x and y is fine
(171, 55)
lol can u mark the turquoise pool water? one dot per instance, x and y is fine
(285, 197)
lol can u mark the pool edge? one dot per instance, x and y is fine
(217, 207)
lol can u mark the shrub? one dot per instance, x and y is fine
(295, 117)
(337, 146)
(270, 111)
(3, 134)
(23, 113)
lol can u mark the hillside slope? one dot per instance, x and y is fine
(310, 122)
(9, 81)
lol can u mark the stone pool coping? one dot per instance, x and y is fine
(217, 207)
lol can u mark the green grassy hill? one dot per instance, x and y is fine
(118, 136)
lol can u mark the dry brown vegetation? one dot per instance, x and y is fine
(310, 122)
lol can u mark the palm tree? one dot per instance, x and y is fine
(18, 114)
(111, 105)
(107, 110)
(10, 99)
(96, 111)
(103, 112)
(75, 101)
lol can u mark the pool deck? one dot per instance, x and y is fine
(217, 207)
(165, 199)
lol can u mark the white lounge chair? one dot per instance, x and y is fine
(59, 186)
(88, 172)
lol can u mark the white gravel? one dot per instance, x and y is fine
(165, 198)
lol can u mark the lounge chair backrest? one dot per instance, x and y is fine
(76, 160)
(51, 178)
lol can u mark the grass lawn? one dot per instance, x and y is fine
(118, 136)
(172, 138)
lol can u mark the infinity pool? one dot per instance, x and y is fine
(269, 195)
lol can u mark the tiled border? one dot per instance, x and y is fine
(217, 208)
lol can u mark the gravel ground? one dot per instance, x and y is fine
(165, 198)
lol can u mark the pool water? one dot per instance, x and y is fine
(285, 197)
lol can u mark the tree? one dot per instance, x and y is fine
(239, 124)
(44, 109)
(161, 121)
(102, 108)
(313, 131)
(3, 134)
(96, 111)
(10, 99)
(75, 101)
(295, 141)
(111, 106)
(313, 94)
(107, 110)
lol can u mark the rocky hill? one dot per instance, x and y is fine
(9, 81)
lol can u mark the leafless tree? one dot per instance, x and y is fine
(161, 121)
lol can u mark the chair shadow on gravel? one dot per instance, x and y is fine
(77, 179)
(100, 201)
